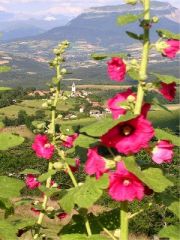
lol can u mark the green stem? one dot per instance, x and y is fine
(124, 221)
(106, 230)
(50, 166)
(144, 60)
(88, 228)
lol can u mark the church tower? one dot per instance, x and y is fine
(73, 90)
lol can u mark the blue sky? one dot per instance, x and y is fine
(48, 8)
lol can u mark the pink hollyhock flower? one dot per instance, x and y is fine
(32, 182)
(95, 164)
(62, 215)
(163, 152)
(114, 103)
(172, 49)
(42, 147)
(168, 90)
(125, 186)
(130, 136)
(70, 140)
(116, 69)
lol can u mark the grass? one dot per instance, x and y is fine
(30, 106)
(20, 130)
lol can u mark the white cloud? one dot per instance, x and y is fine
(50, 18)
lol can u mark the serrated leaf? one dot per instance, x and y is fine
(82, 237)
(90, 191)
(175, 208)
(102, 126)
(7, 231)
(30, 171)
(68, 200)
(128, 18)
(45, 176)
(167, 34)
(8, 140)
(134, 35)
(5, 69)
(152, 177)
(85, 141)
(10, 187)
(163, 135)
(166, 78)
(172, 232)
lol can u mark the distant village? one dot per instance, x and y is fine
(97, 109)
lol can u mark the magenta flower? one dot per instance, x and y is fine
(68, 142)
(62, 215)
(130, 136)
(31, 181)
(168, 90)
(163, 152)
(116, 69)
(42, 147)
(114, 103)
(35, 211)
(172, 49)
(95, 163)
(125, 186)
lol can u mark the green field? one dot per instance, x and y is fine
(30, 106)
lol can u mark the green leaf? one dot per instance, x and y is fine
(167, 34)
(68, 200)
(5, 69)
(68, 130)
(30, 171)
(45, 176)
(39, 124)
(152, 177)
(82, 237)
(85, 141)
(5, 89)
(7, 231)
(10, 187)
(164, 135)
(5, 203)
(134, 35)
(102, 126)
(172, 232)
(90, 191)
(128, 18)
(102, 56)
(175, 208)
(166, 78)
(8, 140)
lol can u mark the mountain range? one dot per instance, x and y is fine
(95, 30)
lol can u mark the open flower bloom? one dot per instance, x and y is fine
(114, 103)
(68, 142)
(95, 163)
(168, 90)
(173, 47)
(163, 152)
(125, 186)
(31, 181)
(42, 147)
(130, 136)
(116, 69)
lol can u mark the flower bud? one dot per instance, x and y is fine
(58, 165)
(160, 46)
(63, 71)
(131, 98)
(155, 19)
